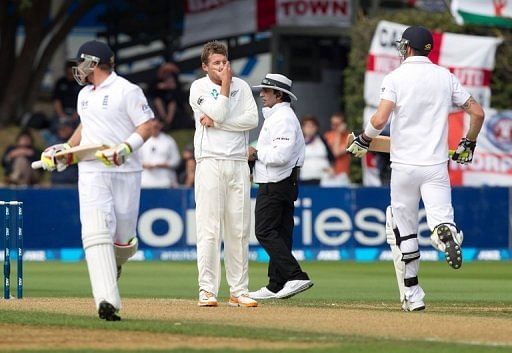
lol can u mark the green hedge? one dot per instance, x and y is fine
(361, 35)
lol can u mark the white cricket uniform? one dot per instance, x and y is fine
(109, 196)
(222, 184)
(423, 94)
(161, 149)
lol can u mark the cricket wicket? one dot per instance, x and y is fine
(13, 233)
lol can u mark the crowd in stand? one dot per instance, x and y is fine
(326, 161)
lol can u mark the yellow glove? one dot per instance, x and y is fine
(359, 147)
(465, 151)
(114, 155)
(50, 162)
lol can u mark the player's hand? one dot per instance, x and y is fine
(206, 121)
(253, 154)
(464, 152)
(226, 74)
(360, 145)
(51, 163)
(114, 155)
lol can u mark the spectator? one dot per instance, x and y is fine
(160, 157)
(336, 138)
(64, 100)
(187, 168)
(68, 176)
(65, 96)
(168, 99)
(318, 156)
(17, 160)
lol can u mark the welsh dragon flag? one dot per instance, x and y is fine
(495, 13)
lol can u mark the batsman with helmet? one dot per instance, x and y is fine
(418, 96)
(115, 112)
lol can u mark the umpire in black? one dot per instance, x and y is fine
(278, 156)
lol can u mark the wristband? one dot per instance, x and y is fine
(371, 131)
(134, 141)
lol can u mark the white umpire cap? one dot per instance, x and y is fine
(278, 82)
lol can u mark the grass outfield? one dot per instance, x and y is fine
(352, 308)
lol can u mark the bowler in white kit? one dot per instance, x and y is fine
(224, 112)
(418, 96)
(114, 112)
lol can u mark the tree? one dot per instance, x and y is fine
(46, 24)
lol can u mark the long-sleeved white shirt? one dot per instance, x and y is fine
(280, 145)
(233, 118)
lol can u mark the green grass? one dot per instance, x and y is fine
(478, 284)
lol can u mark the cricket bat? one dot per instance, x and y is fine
(378, 144)
(381, 144)
(80, 153)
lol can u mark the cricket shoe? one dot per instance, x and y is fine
(107, 312)
(294, 287)
(207, 299)
(452, 251)
(262, 294)
(413, 306)
(243, 300)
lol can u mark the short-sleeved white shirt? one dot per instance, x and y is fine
(109, 113)
(423, 94)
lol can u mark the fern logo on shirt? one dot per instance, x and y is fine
(215, 93)
(84, 104)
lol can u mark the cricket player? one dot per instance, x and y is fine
(224, 112)
(115, 112)
(419, 95)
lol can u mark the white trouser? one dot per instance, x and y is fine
(222, 192)
(409, 183)
(109, 204)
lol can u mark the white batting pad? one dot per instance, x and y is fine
(103, 274)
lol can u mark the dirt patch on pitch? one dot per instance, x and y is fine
(367, 321)
(18, 337)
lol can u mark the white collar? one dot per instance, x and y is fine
(417, 59)
(267, 112)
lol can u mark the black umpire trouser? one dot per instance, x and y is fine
(274, 230)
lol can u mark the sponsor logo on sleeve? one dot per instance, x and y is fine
(146, 109)
(104, 105)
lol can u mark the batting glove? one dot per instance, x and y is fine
(114, 155)
(51, 163)
(464, 152)
(360, 145)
